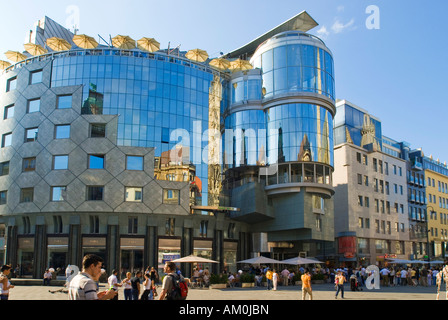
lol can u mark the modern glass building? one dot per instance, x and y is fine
(118, 152)
(278, 144)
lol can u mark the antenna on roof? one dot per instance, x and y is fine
(101, 38)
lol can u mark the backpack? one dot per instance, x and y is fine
(179, 290)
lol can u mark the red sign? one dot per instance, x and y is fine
(347, 246)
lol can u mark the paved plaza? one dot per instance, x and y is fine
(320, 292)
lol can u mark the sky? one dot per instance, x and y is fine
(390, 61)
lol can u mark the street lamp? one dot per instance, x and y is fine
(427, 232)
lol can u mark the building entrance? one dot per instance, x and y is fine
(131, 261)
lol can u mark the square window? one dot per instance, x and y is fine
(33, 105)
(3, 195)
(4, 168)
(11, 84)
(36, 77)
(98, 130)
(133, 194)
(58, 193)
(9, 112)
(171, 196)
(134, 163)
(29, 164)
(62, 131)
(6, 140)
(31, 134)
(64, 102)
(26, 195)
(95, 193)
(96, 161)
(60, 162)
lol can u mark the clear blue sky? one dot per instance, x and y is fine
(396, 73)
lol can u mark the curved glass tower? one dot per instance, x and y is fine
(279, 130)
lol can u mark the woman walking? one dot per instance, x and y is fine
(339, 281)
(5, 285)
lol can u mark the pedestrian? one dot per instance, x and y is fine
(306, 285)
(340, 279)
(285, 276)
(135, 284)
(275, 279)
(127, 286)
(269, 278)
(68, 272)
(385, 276)
(47, 277)
(84, 285)
(5, 284)
(392, 277)
(147, 287)
(113, 283)
(168, 280)
(424, 277)
(403, 277)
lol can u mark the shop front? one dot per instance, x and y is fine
(230, 253)
(25, 256)
(131, 255)
(94, 245)
(168, 250)
(57, 251)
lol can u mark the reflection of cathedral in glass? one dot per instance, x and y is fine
(357, 126)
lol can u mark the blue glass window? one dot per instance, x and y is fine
(64, 102)
(134, 163)
(96, 161)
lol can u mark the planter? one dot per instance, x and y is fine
(247, 285)
(218, 286)
(298, 283)
(317, 281)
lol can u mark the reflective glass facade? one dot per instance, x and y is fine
(245, 143)
(299, 132)
(293, 62)
(357, 125)
(153, 96)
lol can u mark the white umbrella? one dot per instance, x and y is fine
(399, 261)
(259, 260)
(437, 262)
(418, 261)
(299, 260)
(194, 259)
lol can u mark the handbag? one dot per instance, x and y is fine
(154, 292)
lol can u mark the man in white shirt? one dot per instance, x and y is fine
(113, 283)
(285, 276)
(83, 286)
(385, 274)
(404, 274)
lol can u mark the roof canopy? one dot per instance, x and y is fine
(301, 22)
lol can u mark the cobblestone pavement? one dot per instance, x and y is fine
(320, 292)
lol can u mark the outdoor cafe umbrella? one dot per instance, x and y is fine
(123, 42)
(240, 65)
(4, 64)
(85, 41)
(58, 44)
(148, 44)
(15, 56)
(34, 49)
(194, 259)
(197, 55)
(259, 260)
(220, 63)
(299, 260)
